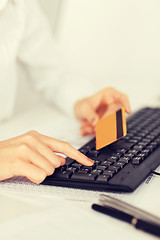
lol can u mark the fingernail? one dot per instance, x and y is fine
(90, 160)
(128, 110)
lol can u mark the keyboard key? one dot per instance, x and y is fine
(106, 163)
(129, 155)
(112, 159)
(133, 151)
(96, 171)
(97, 162)
(150, 137)
(142, 156)
(108, 173)
(124, 159)
(83, 176)
(119, 164)
(103, 178)
(72, 169)
(144, 144)
(93, 153)
(133, 141)
(154, 133)
(114, 168)
(146, 152)
(142, 134)
(101, 168)
(154, 144)
(146, 131)
(84, 151)
(59, 174)
(91, 145)
(137, 138)
(126, 138)
(136, 160)
(76, 165)
(150, 147)
(89, 167)
(121, 144)
(84, 170)
(62, 168)
(122, 150)
(118, 154)
(69, 161)
(138, 147)
(146, 140)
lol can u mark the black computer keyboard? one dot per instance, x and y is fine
(122, 165)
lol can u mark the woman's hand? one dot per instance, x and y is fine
(89, 110)
(34, 155)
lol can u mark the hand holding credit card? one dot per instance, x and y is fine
(110, 128)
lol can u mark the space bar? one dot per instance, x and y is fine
(83, 176)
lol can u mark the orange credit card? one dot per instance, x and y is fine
(110, 128)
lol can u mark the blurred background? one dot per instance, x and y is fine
(113, 43)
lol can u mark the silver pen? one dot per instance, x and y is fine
(128, 213)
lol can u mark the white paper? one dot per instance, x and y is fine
(66, 221)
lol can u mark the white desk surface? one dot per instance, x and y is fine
(30, 211)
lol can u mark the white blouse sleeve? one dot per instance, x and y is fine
(40, 56)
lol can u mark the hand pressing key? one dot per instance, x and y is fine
(33, 155)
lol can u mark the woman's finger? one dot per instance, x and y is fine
(67, 150)
(86, 111)
(28, 154)
(112, 97)
(87, 130)
(32, 172)
(41, 148)
(125, 102)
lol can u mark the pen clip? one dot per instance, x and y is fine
(137, 213)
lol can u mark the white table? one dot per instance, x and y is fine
(42, 212)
